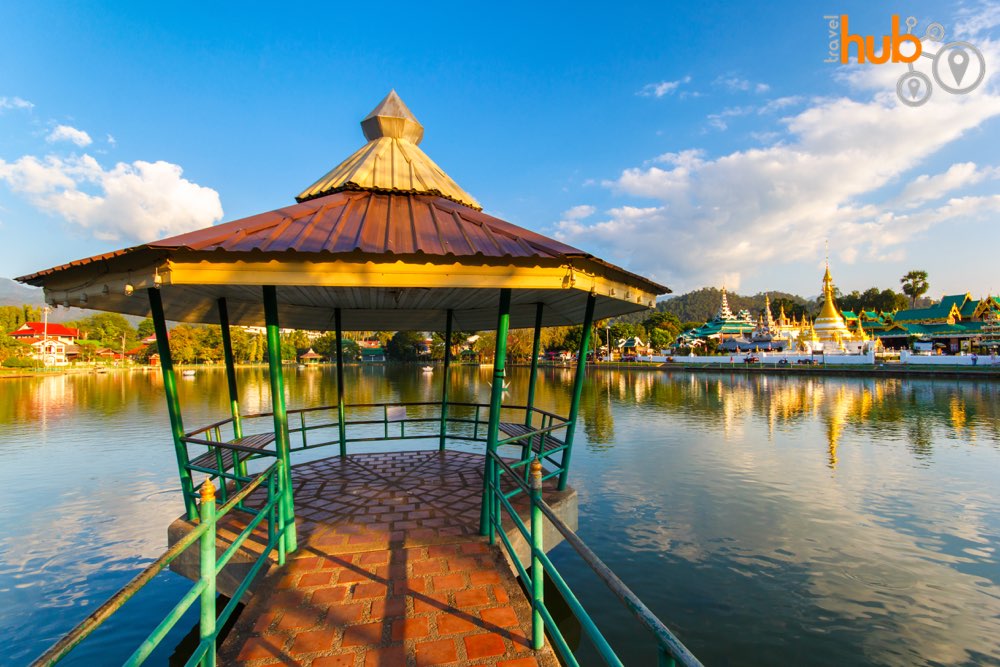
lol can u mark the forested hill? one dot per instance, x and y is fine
(701, 305)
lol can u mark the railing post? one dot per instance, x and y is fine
(282, 444)
(341, 426)
(537, 547)
(173, 404)
(277, 479)
(535, 350)
(447, 374)
(581, 371)
(206, 626)
(496, 399)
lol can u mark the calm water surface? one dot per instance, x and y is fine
(768, 520)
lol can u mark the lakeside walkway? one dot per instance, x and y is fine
(390, 570)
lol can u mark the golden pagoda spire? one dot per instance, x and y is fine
(391, 161)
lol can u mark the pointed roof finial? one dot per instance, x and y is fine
(391, 162)
(392, 118)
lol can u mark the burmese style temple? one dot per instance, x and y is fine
(828, 332)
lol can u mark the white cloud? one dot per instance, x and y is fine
(976, 19)
(719, 120)
(579, 212)
(822, 179)
(112, 141)
(926, 188)
(737, 84)
(662, 88)
(141, 201)
(15, 103)
(780, 103)
(71, 134)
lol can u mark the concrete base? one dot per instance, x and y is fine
(563, 503)
(232, 575)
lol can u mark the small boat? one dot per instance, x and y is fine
(188, 373)
(428, 369)
(301, 366)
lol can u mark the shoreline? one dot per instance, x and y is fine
(882, 370)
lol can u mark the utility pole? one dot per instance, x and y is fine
(45, 334)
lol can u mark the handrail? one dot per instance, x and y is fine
(672, 650)
(85, 628)
(191, 436)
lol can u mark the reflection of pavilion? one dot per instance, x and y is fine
(385, 241)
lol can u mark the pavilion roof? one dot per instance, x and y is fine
(391, 258)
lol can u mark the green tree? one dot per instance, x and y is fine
(915, 285)
(145, 329)
(184, 344)
(326, 345)
(659, 339)
(11, 347)
(12, 317)
(108, 328)
(403, 345)
(210, 344)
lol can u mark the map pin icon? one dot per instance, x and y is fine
(958, 62)
(914, 87)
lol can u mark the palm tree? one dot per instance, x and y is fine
(915, 285)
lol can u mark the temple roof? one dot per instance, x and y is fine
(391, 161)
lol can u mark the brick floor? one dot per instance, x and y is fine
(390, 570)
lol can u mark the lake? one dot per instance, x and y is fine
(766, 519)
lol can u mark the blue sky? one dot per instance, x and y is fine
(697, 143)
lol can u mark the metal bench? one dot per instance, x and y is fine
(539, 444)
(220, 454)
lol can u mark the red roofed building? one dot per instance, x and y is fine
(40, 330)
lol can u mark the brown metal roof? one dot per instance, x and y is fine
(376, 224)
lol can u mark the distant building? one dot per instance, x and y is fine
(371, 350)
(59, 332)
(957, 323)
(310, 357)
(50, 343)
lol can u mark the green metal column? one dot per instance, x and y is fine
(278, 407)
(536, 348)
(227, 352)
(581, 371)
(173, 405)
(496, 400)
(341, 426)
(447, 378)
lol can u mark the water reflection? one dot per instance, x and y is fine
(769, 519)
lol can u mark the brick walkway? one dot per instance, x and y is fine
(390, 571)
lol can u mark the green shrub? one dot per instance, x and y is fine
(22, 362)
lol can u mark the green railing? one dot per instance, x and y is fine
(670, 650)
(312, 428)
(204, 590)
